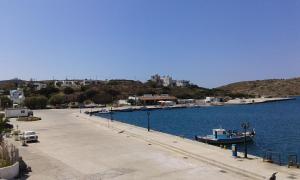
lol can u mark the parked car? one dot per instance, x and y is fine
(29, 136)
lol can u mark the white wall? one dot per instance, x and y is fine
(9, 172)
(10, 113)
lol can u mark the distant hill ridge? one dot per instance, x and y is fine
(269, 87)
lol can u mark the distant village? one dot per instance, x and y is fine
(95, 93)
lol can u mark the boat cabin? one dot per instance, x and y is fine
(219, 133)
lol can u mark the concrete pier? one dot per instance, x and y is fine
(78, 146)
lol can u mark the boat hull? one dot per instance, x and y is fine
(236, 140)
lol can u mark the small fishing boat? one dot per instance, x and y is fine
(167, 107)
(103, 111)
(223, 137)
(127, 110)
(144, 108)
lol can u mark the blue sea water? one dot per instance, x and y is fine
(277, 124)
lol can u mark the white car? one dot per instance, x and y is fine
(29, 136)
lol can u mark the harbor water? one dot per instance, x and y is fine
(277, 124)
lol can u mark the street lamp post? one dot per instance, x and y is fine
(111, 113)
(245, 126)
(148, 114)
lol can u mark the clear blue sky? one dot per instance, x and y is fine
(210, 42)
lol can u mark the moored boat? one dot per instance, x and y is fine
(103, 111)
(223, 137)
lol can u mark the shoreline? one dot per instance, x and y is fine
(251, 101)
(219, 162)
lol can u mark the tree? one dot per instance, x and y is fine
(5, 102)
(48, 91)
(4, 126)
(36, 102)
(68, 90)
(113, 92)
(57, 99)
(58, 84)
(91, 93)
(153, 84)
(81, 98)
(102, 98)
(72, 97)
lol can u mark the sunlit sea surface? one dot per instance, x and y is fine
(277, 124)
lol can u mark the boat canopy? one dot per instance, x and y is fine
(219, 131)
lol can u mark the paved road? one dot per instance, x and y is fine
(73, 146)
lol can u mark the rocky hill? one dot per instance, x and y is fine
(270, 87)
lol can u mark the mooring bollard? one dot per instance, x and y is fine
(24, 143)
(234, 150)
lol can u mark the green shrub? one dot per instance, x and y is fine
(102, 98)
(57, 99)
(36, 102)
(68, 90)
(5, 102)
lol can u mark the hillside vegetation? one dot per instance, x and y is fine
(102, 93)
(271, 87)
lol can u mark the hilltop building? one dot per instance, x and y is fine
(182, 83)
(38, 86)
(167, 81)
(88, 82)
(67, 83)
(76, 83)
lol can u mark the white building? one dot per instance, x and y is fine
(38, 86)
(182, 83)
(66, 83)
(167, 81)
(88, 82)
(209, 99)
(17, 96)
(134, 98)
(123, 102)
(17, 112)
(212, 100)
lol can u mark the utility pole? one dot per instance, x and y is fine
(111, 108)
(111, 115)
(245, 126)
